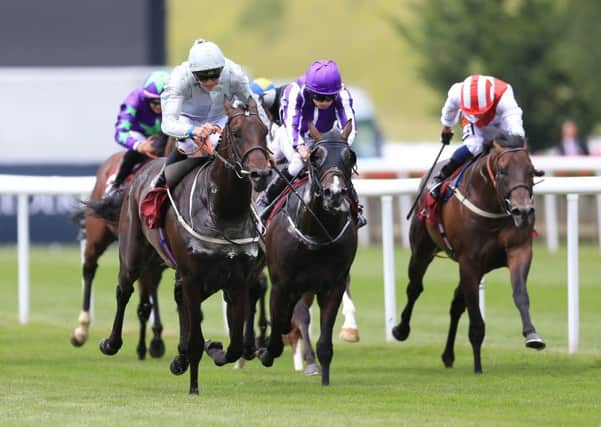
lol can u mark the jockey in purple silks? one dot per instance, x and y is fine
(138, 121)
(319, 97)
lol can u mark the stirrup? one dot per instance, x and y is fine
(434, 190)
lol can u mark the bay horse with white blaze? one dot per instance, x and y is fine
(99, 233)
(209, 236)
(311, 243)
(488, 224)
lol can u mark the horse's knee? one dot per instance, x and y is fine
(414, 289)
(124, 292)
(476, 333)
(144, 311)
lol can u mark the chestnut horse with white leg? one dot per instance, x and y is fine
(99, 234)
(209, 235)
(311, 244)
(488, 224)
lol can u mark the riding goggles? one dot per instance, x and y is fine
(204, 75)
(320, 97)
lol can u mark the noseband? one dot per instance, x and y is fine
(507, 195)
(237, 165)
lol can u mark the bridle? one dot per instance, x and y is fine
(506, 195)
(237, 165)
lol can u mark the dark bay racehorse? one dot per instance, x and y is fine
(488, 224)
(310, 245)
(211, 236)
(99, 234)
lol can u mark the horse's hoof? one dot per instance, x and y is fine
(448, 360)
(107, 348)
(179, 365)
(349, 334)
(534, 341)
(401, 332)
(265, 357)
(141, 353)
(76, 342)
(249, 353)
(312, 369)
(194, 390)
(157, 348)
(212, 346)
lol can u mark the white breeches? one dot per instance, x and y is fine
(282, 146)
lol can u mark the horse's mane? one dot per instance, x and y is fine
(510, 141)
(333, 135)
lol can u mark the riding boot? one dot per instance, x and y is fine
(130, 159)
(446, 171)
(264, 202)
(361, 220)
(174, 157)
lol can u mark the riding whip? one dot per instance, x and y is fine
(445, 139)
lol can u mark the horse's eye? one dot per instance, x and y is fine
(238, 134)
(502, 171)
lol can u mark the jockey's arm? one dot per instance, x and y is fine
(172, 100)
(450, 110)
(511, 114)
(347, 113)
(124, 136)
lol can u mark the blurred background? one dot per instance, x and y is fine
(66, 65)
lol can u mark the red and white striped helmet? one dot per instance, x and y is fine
(477, 94)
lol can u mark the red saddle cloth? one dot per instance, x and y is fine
(429, 208)
(153, 207)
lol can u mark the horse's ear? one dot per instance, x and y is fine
(227, 105)
(252, 105)
(348, 128)
(314, 132)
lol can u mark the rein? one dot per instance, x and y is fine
(237, 166)
(491, 176)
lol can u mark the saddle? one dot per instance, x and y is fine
(154, 206)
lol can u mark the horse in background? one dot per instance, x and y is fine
(209, 234)
(311, 243)
(99, 233)
(488, 224)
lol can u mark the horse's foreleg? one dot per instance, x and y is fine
(149, 281)
(328, 304)
(144, 308)
(302, 318)
(281, 306)
(470, 281)
(518, 261)
(457, 309)
(237, 307)
(349, 331)
(96, 244)
(262, 283)
(195, 342)
(112, 344)
(179, 364)
(422, 253)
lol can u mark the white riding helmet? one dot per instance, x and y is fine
(205, 55)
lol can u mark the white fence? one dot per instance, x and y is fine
(23, 186)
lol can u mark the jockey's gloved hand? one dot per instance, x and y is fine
(446, 136)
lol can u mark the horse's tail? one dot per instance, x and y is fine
(107, 208)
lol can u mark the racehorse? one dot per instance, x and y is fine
(311, 243)
(488, 224)
(99, 234)
(209, 235)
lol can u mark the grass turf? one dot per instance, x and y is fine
(46, 381)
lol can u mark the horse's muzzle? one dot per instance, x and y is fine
(260, 178)
(523, 216)
(332, 200)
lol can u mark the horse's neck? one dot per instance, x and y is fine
(478, 186)
(231, 195)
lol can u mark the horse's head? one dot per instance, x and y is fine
(331, 165)
(244, 144)
(512, 173)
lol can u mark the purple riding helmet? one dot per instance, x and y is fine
(323, 77)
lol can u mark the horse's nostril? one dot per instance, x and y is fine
(327, 192)
(516, 211)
